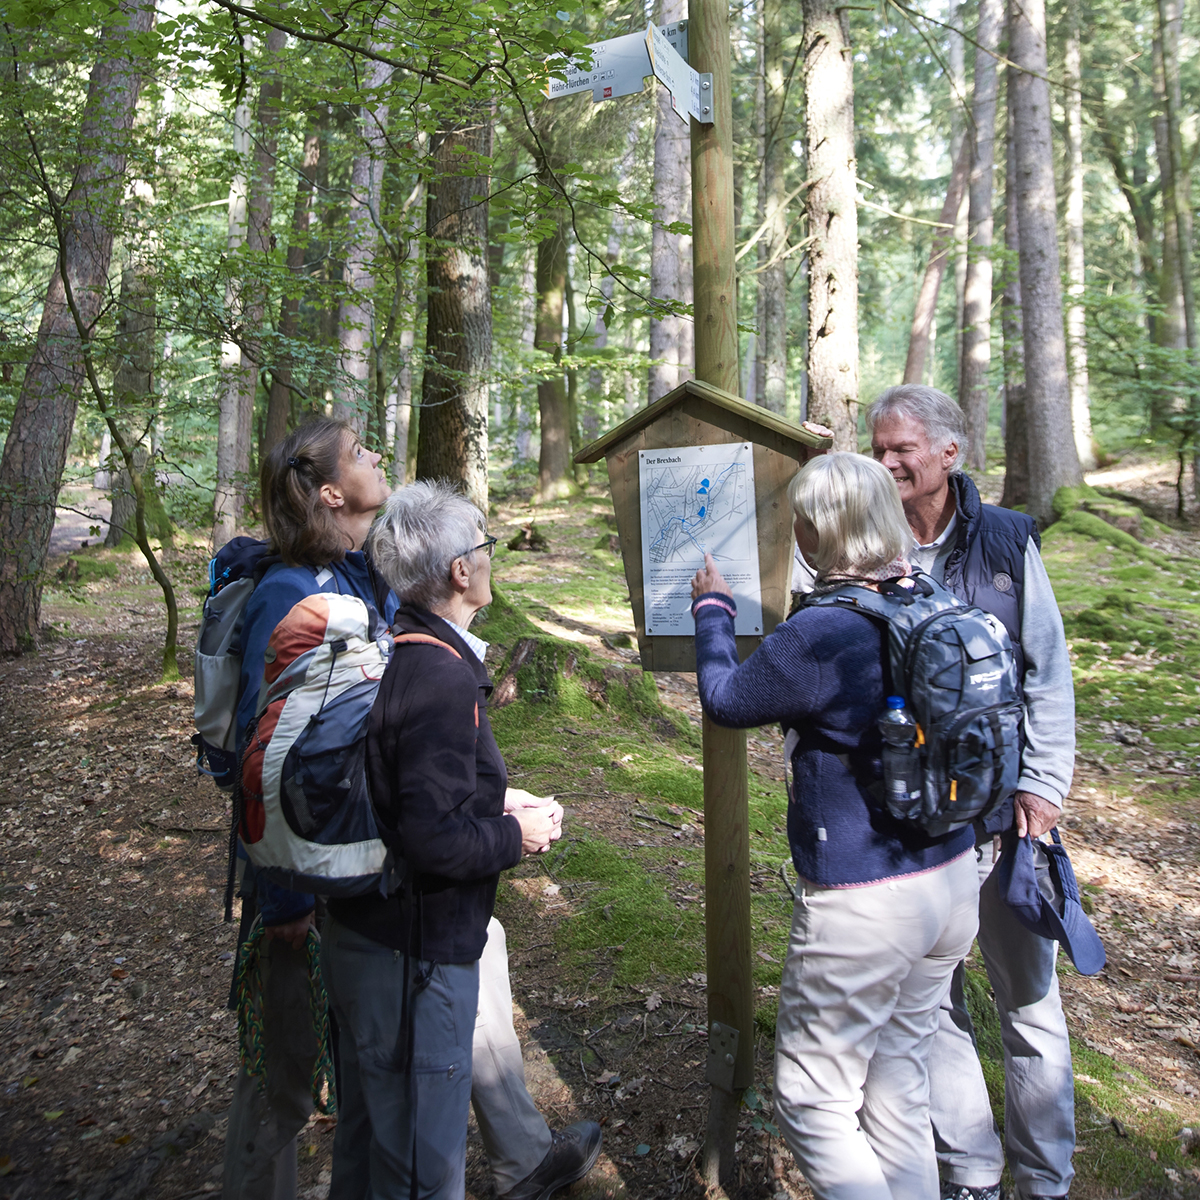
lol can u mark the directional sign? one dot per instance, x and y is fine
(619, 66)
(690, 91)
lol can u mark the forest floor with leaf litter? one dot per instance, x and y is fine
(117, 1052)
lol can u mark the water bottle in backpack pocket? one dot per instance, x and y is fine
(902, 770)
(955, 664)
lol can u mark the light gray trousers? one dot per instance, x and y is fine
(866, 970)
(1039, 1087)
(260, 1145)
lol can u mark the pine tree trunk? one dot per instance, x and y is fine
(35, 451)
(554, 460)
(229, 496)
(925, 310)
(133, 383)
(977, 291)
(831, 208)
(279, 403)
(356, 314)
(772, 282)
(1081, 411)
(671, 340)
(960, 135)
(452, 435)
(1016, 432)
(1053, 462)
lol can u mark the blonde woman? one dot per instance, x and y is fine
(883, 912)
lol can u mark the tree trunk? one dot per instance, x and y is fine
(925, 309)
(671, 337)
(35, 451)
(977, 292)
(831, 208)
(1081, 412)
(231, 452)
(554, 460)
(279, 403)
(452, 436)
(1016, 432)
(356, 315)
(133, 383)
(772, 279)
(960, 135)
(1053, 463)
(1176, 182)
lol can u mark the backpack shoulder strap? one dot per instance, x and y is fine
(427, 639)
(424, 639)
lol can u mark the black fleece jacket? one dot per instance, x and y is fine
(438, 784)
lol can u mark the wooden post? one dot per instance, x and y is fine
(726, 815)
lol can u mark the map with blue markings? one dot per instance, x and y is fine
(697, 500)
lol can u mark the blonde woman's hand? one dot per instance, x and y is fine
(537, 829)
(709, 579)
(516, 798)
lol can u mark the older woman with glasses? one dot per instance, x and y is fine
(883, 911)
(403, 972)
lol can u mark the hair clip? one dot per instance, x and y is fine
(293, 462)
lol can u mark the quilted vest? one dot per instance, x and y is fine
(987, 568)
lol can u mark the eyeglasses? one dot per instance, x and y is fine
(488, 544)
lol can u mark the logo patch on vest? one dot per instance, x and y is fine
(1002, 581)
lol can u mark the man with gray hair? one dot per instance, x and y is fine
(989, 557)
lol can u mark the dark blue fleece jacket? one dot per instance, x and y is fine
(822, 675)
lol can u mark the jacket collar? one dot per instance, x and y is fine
(968, 506)
(419, 620)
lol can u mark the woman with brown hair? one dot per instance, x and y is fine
(321, 489)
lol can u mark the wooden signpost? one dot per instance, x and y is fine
(706, 413)
(697, 414)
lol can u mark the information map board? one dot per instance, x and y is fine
(697, 500)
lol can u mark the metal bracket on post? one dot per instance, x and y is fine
(705, 116)
(722, 1055)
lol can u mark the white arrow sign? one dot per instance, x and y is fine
(690, 91)
(618, 68)
(620, 64)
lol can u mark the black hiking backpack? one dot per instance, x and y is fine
(954, 665)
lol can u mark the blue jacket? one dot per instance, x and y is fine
(821, 675)
(277, 593)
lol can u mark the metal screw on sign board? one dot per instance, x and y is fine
(722, 1055)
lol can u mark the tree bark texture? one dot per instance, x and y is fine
(1016, 433)
(133, 383)
(554, 460)
(1081, 410)
(960, 134)
(35, 451)
(231, 435)
(977, 289)
(672, 344)
(1053, 462)
(1176, 184)
(925, 309)
(453, 428)
(772, 276)
(831, 208)
(279, 402)
(356, 314)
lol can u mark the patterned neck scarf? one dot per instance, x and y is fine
(892, 570)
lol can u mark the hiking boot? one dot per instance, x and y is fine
(958, 1191)
(572, 1154)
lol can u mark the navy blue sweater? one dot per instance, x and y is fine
(821, 674)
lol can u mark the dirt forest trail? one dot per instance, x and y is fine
(117, 1051)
